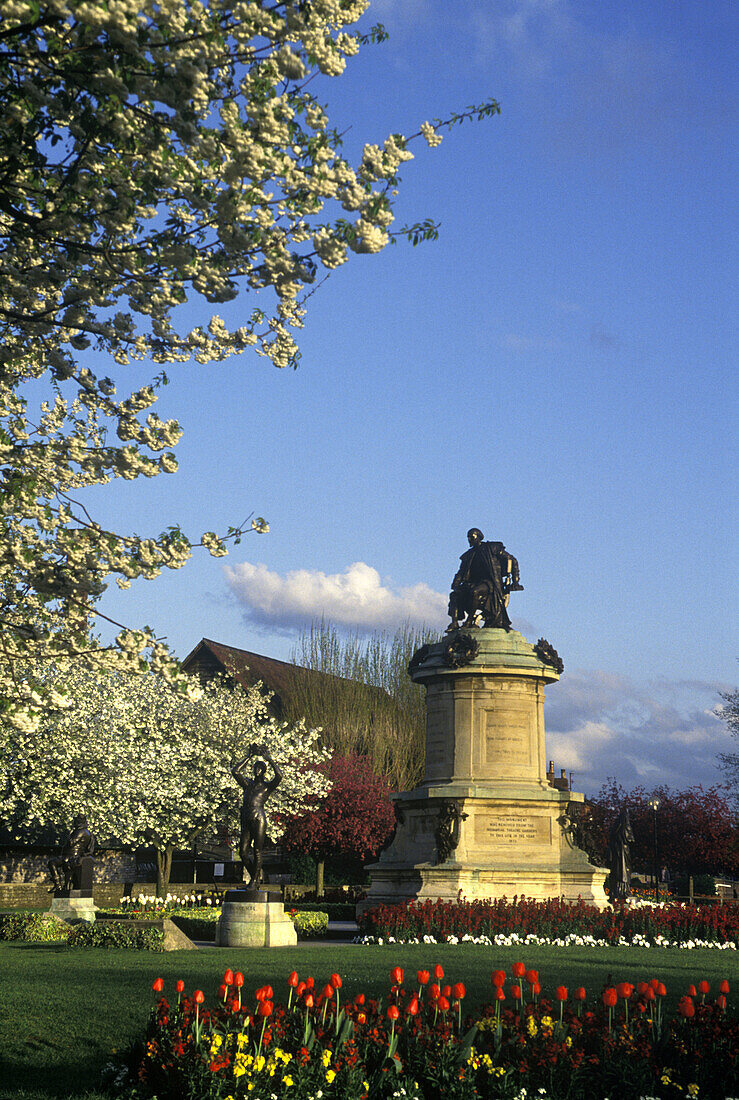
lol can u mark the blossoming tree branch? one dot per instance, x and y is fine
(153, 150)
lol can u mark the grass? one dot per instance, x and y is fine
(62, 1012)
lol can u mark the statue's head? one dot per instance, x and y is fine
(474, 535)
(260, 769)
(79, 821)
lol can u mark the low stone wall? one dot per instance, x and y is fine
(28, 895)
(110, 866)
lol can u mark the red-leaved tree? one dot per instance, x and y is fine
(354, 819)
(696, 828)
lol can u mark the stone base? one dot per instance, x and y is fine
(510, 842)
(73, 907)
(255, 922)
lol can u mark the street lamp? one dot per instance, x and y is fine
(654, 804)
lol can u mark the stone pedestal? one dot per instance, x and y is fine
(250, 919)
(73, 905)
(485, 823)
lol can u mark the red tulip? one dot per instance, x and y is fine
(413, 1007)
(654, 982)
(498, 978)
(300, 989)
(446, 991)
(579, 993)
(265, 1008)
(516, 992)
(423, 977)
(238, 979)
(260, 994)
(292, 981)
(335, 980)
(624, 990)
(223, 992)
(228, 977)
(650, 994)
(328, 992)
(359, 999)
(396, 975)
(661, 990)
(610, 997)
(724, 987)
(308, 1000)
(435, 992)
(393, 1012)
(535, 989)
(442, 1004)
(198, 996)
(499, 994)
(459, 991)
(561, 993)
(686, 1008)
(642, 988)
(692, 991)
(158, 985)
(721, 1002)
(532, 976)
(438, 972)
(180, 986)
(518, 970)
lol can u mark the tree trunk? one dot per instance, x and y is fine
(164, 869)
(320, 865)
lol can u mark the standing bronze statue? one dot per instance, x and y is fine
(487, 574)
(65, 869)
(619, 857)
(257, 789)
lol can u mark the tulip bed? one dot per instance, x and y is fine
(501, 922)
(418, 1041)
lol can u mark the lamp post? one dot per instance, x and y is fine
(654, 804)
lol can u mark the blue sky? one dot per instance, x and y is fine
(556, 369)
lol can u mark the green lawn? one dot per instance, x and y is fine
(63, 1011)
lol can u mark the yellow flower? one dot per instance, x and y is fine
(568, 1041)
(330, 1074)
(326, 1058)
(665, 1078)
(693, 1090)
(531, 1026)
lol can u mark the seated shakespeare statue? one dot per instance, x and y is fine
(487, 574)
(65, 868)
(257, 789)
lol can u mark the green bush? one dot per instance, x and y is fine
(33, 928)
(197, 928)
(310, 926)
(112, 933)
(336, 910)
(703, 885)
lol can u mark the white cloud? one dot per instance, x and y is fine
(356, 598)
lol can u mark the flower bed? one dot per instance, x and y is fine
(420, 1042)
(503, 922)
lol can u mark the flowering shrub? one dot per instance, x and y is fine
(554, 921)
(33, 927)
(309, 926)
(115, 934)
(421, 1042)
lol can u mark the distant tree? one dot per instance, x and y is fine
(355, 818)
(366, 703)
(729, 761)
(696, 828)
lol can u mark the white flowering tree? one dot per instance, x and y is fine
(148, 765)
(152, 151)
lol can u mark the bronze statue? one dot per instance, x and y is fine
(65, 869)
(487, 574)
(619, 857)
(257, 790)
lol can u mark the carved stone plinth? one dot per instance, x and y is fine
(485, 822)
(249, 919)
(73, 905)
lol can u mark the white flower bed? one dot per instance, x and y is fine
(572, 939)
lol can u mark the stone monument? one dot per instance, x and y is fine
(72, 875)
(249, 918)
(485, 822)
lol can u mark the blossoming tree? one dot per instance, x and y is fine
(356, 818)
(152, 151)
(150, 766)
